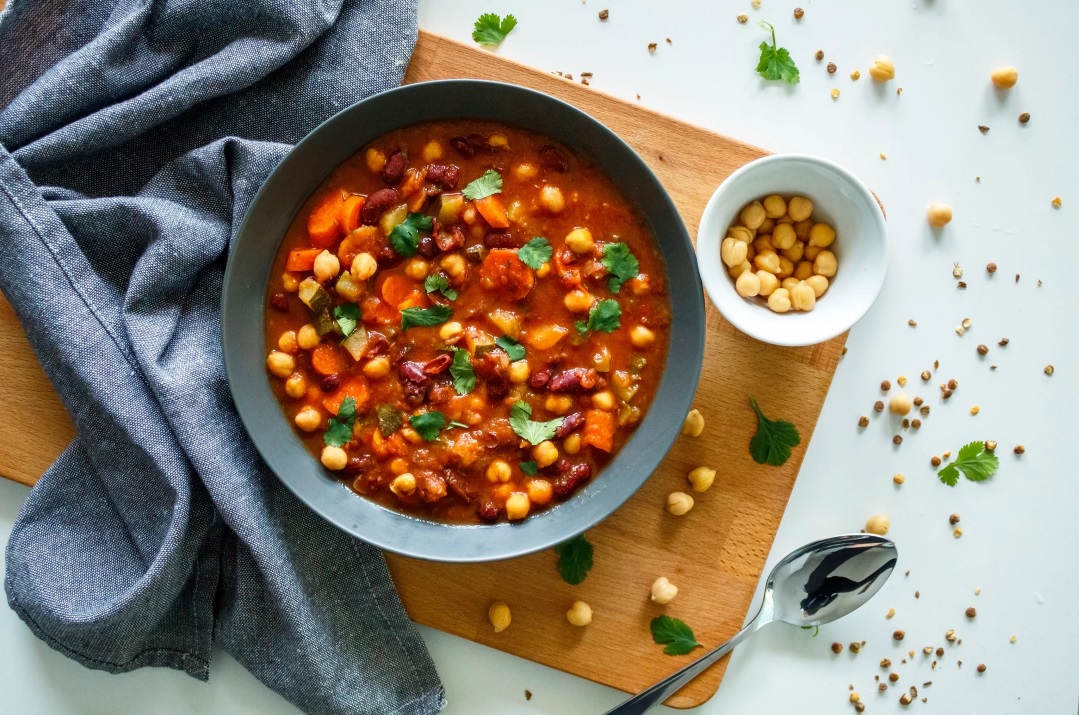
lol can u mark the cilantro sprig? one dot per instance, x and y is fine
(529, 468)
(536, 252)
(605, 316)
(424, 317)
(405, 236)
(574, 559)
(776, 62)
(514, 349)
(490, 29)
(428, 424)
(528, 429)
(464, 377)
(773, 441)
(975, 462)
(346, 315)
(674, 634)
(487, 185)
(339, 432)
(437, 283)
(621, 263)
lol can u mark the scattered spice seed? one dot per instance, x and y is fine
(917, 594)
(1002, 342)
(983, 129)
(946, 393)
(1013, 639)
(992, 367)
(897, 440)
(962, 286)
(835, 94)
(831, 68)
(926, 375)
(755, 3)
(991, 267)
(918, 400)
(935, 461)
(990, 446)
(604, 14)
(1019, 449)
(953, 519)
(884, 662)
(957, 532)
(924, 410)
(855, 647)
(898, 91)
(882, 687)
(946, 455)
(983, 349)
(967, 322)
(899, 635)
(1016, 277)
(971, 612)
(743, 18)
(669, 41)
(981, 667)
(855, 697)
(916, 423)
(855, 74)
(893, 676)
(1024, 117)
(912, 323)
(957, 270)
(891, 612)
(953, 383)
(905, 423)
(904, 699)
(928, 650)
(885, 386)
(863, 421)
(940, 652)
(859, 707)
(819, 55)
(1049, 370)
(975, 410)
(1056, 204)
(798, 13)
(902, 380)
(652, 47)
(837, 647)
(878, 406)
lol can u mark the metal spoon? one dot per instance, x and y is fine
(816, 584)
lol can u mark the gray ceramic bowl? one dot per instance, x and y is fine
(248, 274)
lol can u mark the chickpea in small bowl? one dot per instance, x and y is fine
(781, 233)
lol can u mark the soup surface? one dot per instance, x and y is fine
(466, 321)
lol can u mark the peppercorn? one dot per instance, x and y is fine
(1019, 449)
(953, 519)
(878, 406)
(981, 667)
(863, 421)
(972, 612)
(885, 386)
(991, 267)
(837, 647)
(983, 349)
(899, 635)
(798, 13)
(831, 68)
(935, 461)
(819, 55)
(897, 440)
(1024, 117)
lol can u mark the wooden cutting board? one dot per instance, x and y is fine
(714, 554)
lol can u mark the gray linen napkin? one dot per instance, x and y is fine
(133, 136)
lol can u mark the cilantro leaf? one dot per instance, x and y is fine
(428, 424)
(464, 377)
(673, 633)
(536, 252)
(346, 316)
(438, 283)
(776, 62)
(339, 432)
(490, 29)
(425, 317)
(975, 461)
(622, 264)
(529, 468)
(405, 236)
(582, 328)
(773, 441)
(487, 185)
(605, 315)
(574, 559)
(531, 431)
(514, 349)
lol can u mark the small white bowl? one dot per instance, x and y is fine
(861, 247)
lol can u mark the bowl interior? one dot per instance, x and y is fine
(248, 273)
(840, 200)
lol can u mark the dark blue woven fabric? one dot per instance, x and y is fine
(133, 136)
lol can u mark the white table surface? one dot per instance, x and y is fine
(1019, 543)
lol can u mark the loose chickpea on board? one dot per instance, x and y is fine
(663, 591)
(939, 215)
(499, 616)
(579, 614)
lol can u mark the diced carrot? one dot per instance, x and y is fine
(544, 337)
(323, 223)
(493, 211)
(378, 312)
(383, 447)
(350, 212)
(328, 359)
(415, 299)
(503, 270)
(353, 387)
(301, 259)
(599, 427)
(396, 289)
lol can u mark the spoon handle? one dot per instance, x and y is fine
(648, 699)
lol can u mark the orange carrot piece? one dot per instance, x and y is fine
(301, 259)
(323, 223)
(396, 289)
(378, 312)
(350, 212)
(503, 270)
(328, 359)
(415, 299)
(599, 427)
(493, 211)
(354, 388)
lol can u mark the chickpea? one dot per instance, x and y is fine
(579, 614)
(810, 253)
(940, 214)
(769, 283)
(900, 404)
(819, 284)
(307, 337)
(802, 297)
(748, 284)
(678, 503)
(784, 237)
(789, 283)
(517, 506)
(733, 251)
(580, 240)
(334, 458)
(603, 400)
(519, 372)
(640, 285)
(802, 228)
(558, 404)
(280, 364)
(539, 491)
(821, 235)
(740, 233)
(499, 471)
(296, 385)
(882, 69)
(498, 141)
(786, 268)
(780, 300)
(799, 208)
(308, 419)
(693, 424)
(286, 343)
(767, 261)
(774, 206)
(363, 266)
(290, 282)
(525, 171)
(327, 266)
(455, 266)
(825, 264)
(767, 226)
(545, 454)
(702, 478)
(403, 484)
(499, 616)
(572, 444)
(762, 243)
(432, 151)
(753, 215)
(376, 368)
(803, 270)
(1005, 77)
(663, 591)
(398, 466)
(641, 337)
(552, 200)
(578, 301)
(417, 269)
(878, 524)
(376, 160)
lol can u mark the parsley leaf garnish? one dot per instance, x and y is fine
(529, 468)
(487, 185)
(529, 430)
(346, 316)
(676, 635)
(425, 317)
(405, 236)
(574, 559)
(490, 29)
(514, 349)
(339, 432)
(975, 461)
(464, 377)
(438, 283)
(776, 62)
(622, 264)
(774, 439)
(605, 315)
(428, 424)
(535, 253)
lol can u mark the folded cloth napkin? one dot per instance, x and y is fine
(133, 136)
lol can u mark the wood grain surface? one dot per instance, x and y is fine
(714, 554)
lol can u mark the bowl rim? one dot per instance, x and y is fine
(243, 327)
(714, 276)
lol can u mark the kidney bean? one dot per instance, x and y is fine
(441, 391)
(428, 247)
(498, 385)
(411, 371)
(576, 379)
(377, 344)
(487, 511)
(330, 383)
(478, 142)
(395, 167)
(279, 302)
(415, 393)
(431, 487)
(459, 486)
(438, 364)
(464, 149)
(445, 175)
(570, 478)
(358, 465)
(451, 240)
(552, 157)
(572, 422)
(387, 256)
(538, 380)
(501, 239)
(378, 203)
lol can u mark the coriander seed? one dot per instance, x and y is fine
(897, 440)
(975, 410)
(893, 676)
(957, 532)
(819, 55)
(1024, 117)
(831, 68)
(855, 647)
(918, 401)
(1049, 370)
(981, 667)
(837, 647)
(905, 423)
(604, 14)
(935, 461)
(863, 421)
(940, 652)
(957, 270)
(904, 699)
(882, 687)
(926, 375)
(928, 650)
(916, 423)
(983, 349)
(950, 635)
(885, 386)
(953, 519)
(990, 445)
(1019, 449)
(855, 75)
(953, 383)
(971, 612)
(855, 697)
(885, 663)
(799, 13)
(991, 267)
(878, 406)
(899, 479)
(1056, 204)
(899, 635)
(967, 322)
(912, 323)
(1002, 342)
(652, 47)
(743, 18)
(835, 94)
